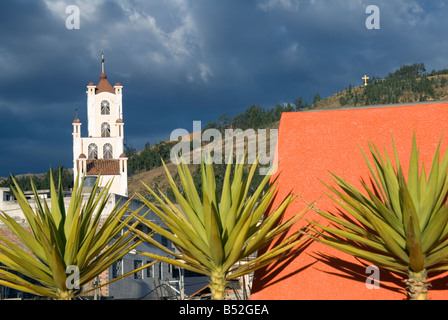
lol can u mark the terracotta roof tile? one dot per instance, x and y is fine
(104, 167)
(104, 85)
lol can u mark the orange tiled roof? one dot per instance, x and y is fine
(104, 85)
(104, 167)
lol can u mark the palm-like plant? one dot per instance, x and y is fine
(398, 225)
(213, 234)
(62, 241)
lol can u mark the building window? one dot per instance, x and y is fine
(164, 241)
(105, 107)
(175, 272)
(107, 151)
(141, 228)
(190, 274)
(117, 268)
(138, 264)
(149, 270)
(93, 151)
(105, 130)
(160, 270)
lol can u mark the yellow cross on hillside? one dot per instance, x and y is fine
(365, 78)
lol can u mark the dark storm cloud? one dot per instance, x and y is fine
(187, 60)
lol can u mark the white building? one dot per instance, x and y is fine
(101, 152)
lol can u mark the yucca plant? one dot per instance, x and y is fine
(213, 234)
(65, 248)
(398, 224)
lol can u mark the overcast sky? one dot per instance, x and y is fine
(191, 60)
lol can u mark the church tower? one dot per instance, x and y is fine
(101, 152)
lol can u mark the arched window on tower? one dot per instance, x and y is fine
(105, 107)
(105, 129)
(93, 151)
(108, 151)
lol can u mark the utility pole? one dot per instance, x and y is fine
(96, 283)
(181, 284)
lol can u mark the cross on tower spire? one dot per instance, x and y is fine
(365, 78)
(102, 62)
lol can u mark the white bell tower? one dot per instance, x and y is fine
(101, 152)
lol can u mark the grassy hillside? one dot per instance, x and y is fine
(334, 101)
(155, 177)
(398, 87)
